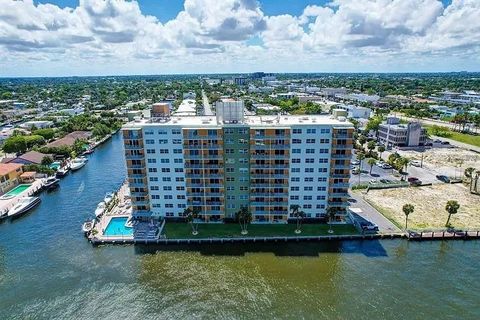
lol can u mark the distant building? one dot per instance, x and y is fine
(359, 97)
(189, 95)
(9, 176)
(355, 112)
(445, 111)
(266, 107)
(73, 111)
(466, 97)
(213, 81)
(186, 108)
(36, 124)
(69, 139)
(394, 134)
(257, 75)
(240, 81)
(19, 105)
(331, 92)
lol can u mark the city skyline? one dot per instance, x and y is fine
(91, 37)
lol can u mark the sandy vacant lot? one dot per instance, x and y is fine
(445, 157)
(429, 205)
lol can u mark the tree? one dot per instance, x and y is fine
(469, 174)
(452, 208)
(381, 149)
(15, 144)
(34, 140)
(407, 209)
(191, 216)
(371, 145)
(371, 162)
(299, 215)
(362, 139)
(360, 157)
(400, 164)
(47, 160)
(244, 217)
(46, 133)
(331, 213)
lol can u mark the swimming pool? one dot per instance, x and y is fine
(116, 227)
(16, 191)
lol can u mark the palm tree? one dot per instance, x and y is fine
(402, 163)
(407, 209)
(371, 162)
(331, 213)
(469, 174)
(191, 217)
(360, 157)
(381, 149)
(452, 208)
(244, 217)
(299, 214)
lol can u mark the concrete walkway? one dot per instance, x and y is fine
(371, 214)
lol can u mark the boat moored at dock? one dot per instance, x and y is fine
(50, 183)
(24, 205)
(100, 209)
(78, 163)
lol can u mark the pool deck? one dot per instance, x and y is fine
(7, 204)
(120, 209)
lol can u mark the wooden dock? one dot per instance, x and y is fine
(444, 235)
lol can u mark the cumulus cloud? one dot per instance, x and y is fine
(221, 30)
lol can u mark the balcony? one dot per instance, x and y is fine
(139, 194)
(133, 147)
(341, 156)
(136, 166)
(140, 203)
(134, 157)
(338, 194)
(340, 185)
(342, 146)
(137, 176)
(341, 204)
(340, 175)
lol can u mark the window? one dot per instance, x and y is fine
(151, 151)
(178, 169)
(243, 160)
(230, 206)
(310, 151)
(324, 140)
(321, 188)
(149, 141)
(323, 150)
(153, 179)
(166, 179)
(229, 141)
(154, 188)
(296, 160)
(230, 179)
(179, 179)
(307, 197)
(311, 131)
(180, 188)
(325, 131)
(242, 131)
(296, 141)
(321, 197)
(168, 197)
(177, 141)
(228, 131)
(165, 170)
(294, 188)
(152, 169)
(310, 140)
(155, 196)
(307, 188)
(322, 179)
(294, 197)
(164, 160)
(167, 188)
(309, 170)
(178, 160)
(177, 150)
(152, 160)
(243, 170)
(308, 179)
(295, 170)
(181, 205)
(323, 160)
(230, 188)
(243, 179)
(322, 170)
(148, 132)
(297, 131)
(307, 206)
(229, 151)
(176, 131)
(309, 160)
(164, 151)
(162, 132)
(163, 141)
(295, 179)
(243, 188)
(230, 170)
(230, 197)
(169, 205)
(243, 197)
(296, 151)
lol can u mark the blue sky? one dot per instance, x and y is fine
(101, 37)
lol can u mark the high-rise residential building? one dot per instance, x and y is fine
(218, 164)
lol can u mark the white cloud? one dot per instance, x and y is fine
(215, 34)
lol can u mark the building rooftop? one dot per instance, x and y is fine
(260, 121)
(6, 168)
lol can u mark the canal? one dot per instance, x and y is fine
(49, 271)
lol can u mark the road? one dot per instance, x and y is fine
(206, 105)
(371, 214)
(429, 122)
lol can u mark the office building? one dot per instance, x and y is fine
(394, 134)
(218, 164)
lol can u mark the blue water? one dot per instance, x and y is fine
(48, 270)
(116, 227)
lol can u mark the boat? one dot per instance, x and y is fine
(62, 172)
(25, 204)
(3, 214)
(108, 197)
(77, 164)
(100, 209)
(50, 183)
(88, 226)
(88, 151)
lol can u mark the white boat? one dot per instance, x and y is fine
(25, 204)
(88, 226)
(108, 197)
(50, 183)
(100, 209)
(77, 164)
(62, 172)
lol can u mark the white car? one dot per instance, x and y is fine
(415, 163)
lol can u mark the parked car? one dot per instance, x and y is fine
(373, 181)
(416, 163)
(385, 166)
(443, 178)
(368, 226)
(414, 181)
(355, 162)
(356, 170)
(445, 142)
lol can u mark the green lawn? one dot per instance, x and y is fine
(232, 230)
(460, 137)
